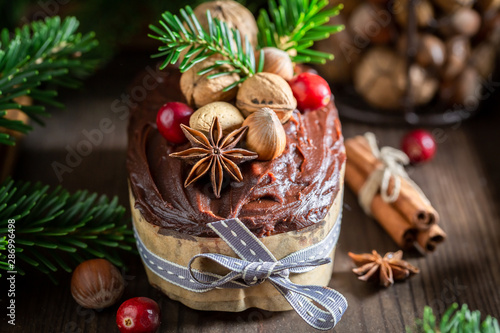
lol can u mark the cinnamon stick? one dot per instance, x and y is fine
(429, 239)
(389, 218)
(409, 203)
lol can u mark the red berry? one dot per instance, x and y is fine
(169, 120)
(311, 91)
(138, 315)
(419, 145)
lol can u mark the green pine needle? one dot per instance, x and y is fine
(186, 33)
(453, 321)
(44, 51)
(56, 230)
(294, 26)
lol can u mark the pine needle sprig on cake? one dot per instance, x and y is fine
(186, 33)
(294, 26)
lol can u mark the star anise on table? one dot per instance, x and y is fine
(382, 269)
(214, 153)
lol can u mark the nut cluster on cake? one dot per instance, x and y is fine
(242, 93)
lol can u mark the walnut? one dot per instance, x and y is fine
(199, 90)
(266, 90)
(381, 78)
(234, 14)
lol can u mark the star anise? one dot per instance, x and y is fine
(215, 153)
(384, 269)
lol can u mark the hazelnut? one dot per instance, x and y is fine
(233, 13)
(370, 23)
(430, 50)
(96, 284)
(464, 21)
(230, 117)
(424, 13)
(483, 58)
(457, 54)
(265, 136)
(423, 85)
(200, 90)
(276, 61)
(450, 6)
(266, 90)
(464, 90)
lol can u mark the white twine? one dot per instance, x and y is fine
(393, 162)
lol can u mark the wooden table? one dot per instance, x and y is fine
(463, 182)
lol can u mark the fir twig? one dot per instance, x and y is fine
(294, 26)
(186, 33)
(454, 321)
(56, 230)
(44, 51)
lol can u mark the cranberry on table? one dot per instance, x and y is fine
(138, 315)
(419, 145)
(311, 91)
(169, 120)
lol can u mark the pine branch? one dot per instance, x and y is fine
(294, 26)
(56, 230)
(44, 51)
(186, 33)
(462, 320)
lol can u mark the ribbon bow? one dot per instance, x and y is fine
(393, 162)
(257, 264)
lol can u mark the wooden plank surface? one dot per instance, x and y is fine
(462, 181)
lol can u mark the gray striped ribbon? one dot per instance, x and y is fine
(257, 264)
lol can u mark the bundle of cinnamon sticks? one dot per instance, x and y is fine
(410, 219)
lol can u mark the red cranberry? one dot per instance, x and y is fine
(311, 91)
(138, 315)
(169, 120)
(419, 145)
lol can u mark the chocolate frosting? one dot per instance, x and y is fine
(288, 193)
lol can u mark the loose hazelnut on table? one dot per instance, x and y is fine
(96, 284)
